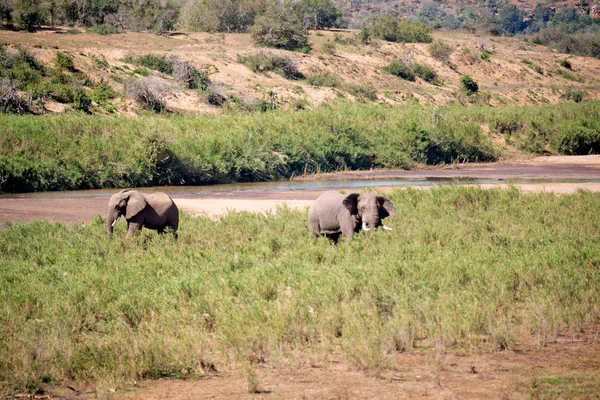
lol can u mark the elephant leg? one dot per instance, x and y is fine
(133, 229)
(313, 223)
(347, 228)
(334, 237)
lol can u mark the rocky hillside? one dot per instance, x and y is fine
(507, 70)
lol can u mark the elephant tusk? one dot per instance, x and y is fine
(114, 222)
(365, 226)
(387, 228)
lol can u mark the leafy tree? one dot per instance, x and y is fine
(389, 28)
(430, 13)
(281, 28)
(319, 14)
(542, 14)
(510, 19)
(29, 14)
(6, 8)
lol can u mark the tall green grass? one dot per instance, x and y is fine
(80, 151)
(463, 267)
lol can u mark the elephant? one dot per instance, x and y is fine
(154, 211)
(334, 214)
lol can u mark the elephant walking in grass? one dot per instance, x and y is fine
(334, 214)
(153, 211)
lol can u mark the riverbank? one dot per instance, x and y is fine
(576, 173)
(74, 152)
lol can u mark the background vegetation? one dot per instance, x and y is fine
(463, 267)
(79, 152)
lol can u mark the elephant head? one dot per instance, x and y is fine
(127, 203)
(369, 209)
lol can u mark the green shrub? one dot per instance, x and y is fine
(469, 85)
(565, 63)
(440, 50)
(104, 29)
(409, 71)
(61, 93)
(281, 28)
(400, 69)
(264, 61)
(387, 27)
(157, 63)
(81, 101)
(362, 92)
(64, 61)
(538, 69)
(485, 56)
(580, 138)
(576, 95)
(323, 79)
(425, 73)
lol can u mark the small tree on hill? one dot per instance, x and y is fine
(280, 28)
(469, 85)
(510, 19)
(320, 14)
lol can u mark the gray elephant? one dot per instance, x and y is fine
(334, 214)
(154, 211)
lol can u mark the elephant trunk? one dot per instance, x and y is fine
(110, 222)
(371, 221)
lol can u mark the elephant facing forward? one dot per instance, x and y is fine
(334, 214)
(153, 211)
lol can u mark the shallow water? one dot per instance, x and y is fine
(293, 185)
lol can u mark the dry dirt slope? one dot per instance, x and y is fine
(517, 72)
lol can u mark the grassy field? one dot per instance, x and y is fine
(80, 151)
(463, 268)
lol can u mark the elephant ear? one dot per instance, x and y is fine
(351, 203)
(135, 204)
(387, 208)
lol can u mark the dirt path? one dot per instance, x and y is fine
(77, 210)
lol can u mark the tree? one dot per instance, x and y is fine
(542, 14)
(29, 14)
(281, 28)
(510, 19)
(430, 13)
(319, 14)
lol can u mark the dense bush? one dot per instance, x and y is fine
(469, 85)
(64, 61)
(409, 71)
(584, 44)
(157, 63)
(387, 27)
(400, 69)
(426, 73)
(319, 14)
(281, 28)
